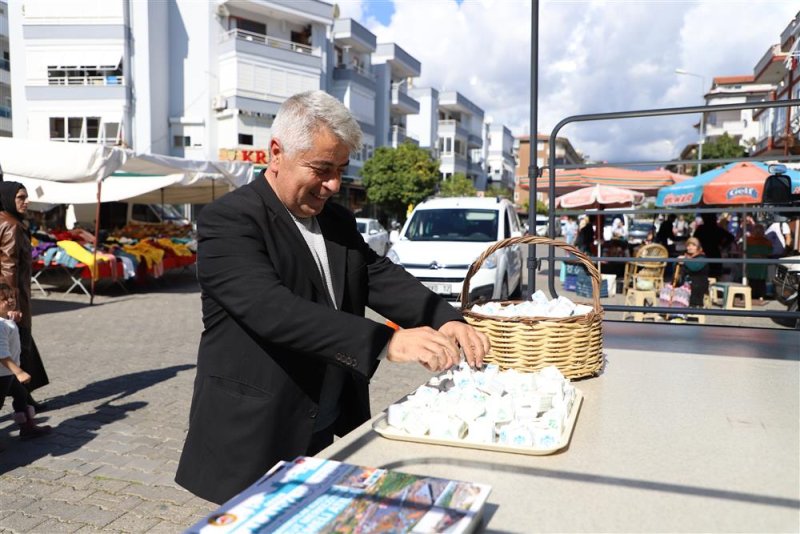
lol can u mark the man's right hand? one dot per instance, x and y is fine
(434, 350)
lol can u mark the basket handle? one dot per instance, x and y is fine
(533, 240)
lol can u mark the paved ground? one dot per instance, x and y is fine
(121, 378)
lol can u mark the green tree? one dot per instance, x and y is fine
(497, 190)
(457, 185)
(397, 177)
(722, 147)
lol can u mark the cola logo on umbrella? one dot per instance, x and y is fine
(742, 192)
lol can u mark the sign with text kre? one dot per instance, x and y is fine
(257, 157)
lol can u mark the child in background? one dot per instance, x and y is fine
(11, 374)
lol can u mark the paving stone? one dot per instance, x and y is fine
(56, 526)
(112, 501)
(133, 523)
(166, 511)
(70, 494)
(98, 517)
(169, 494)
(20, 522)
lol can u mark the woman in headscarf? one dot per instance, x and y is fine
(696, 271)
(15, 270)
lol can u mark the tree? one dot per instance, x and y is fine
(397, 177)
(457, 185)
(497, 190)
(722, 147)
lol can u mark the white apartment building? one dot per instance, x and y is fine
(779, 128)
(5, 74)
(394, 70)
(424, 126)
(738, 124)
(202, 80)
(500, 162)
(354, 82)
(460, 133)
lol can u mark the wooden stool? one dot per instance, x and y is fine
(638, 297)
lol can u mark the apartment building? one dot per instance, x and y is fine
(565, 155)
(5, 74)
(201, 80)
(500, 163)
(460, 137)
(738, 124)
(779, 128)
(395, 70)
(354, 82)
(424, 126)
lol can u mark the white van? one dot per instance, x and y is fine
(118, 214)
(443, 237)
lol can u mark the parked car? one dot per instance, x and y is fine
(638, 231)
(374, 235)
(443, 237)
(541, 226)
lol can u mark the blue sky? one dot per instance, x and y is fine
(594, 56)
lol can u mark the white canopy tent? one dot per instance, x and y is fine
(63, 173)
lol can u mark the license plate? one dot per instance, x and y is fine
(442, 289)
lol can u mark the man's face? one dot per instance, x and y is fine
(305, 180)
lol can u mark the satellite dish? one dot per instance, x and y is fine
(795, 125)
(336, 11)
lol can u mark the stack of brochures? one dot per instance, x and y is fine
(311, 495)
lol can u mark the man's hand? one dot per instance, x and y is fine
(15, 316)
(23, 377)
(474, 344)
(434, 350)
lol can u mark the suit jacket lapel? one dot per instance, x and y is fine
(280, 218)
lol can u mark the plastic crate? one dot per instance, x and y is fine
(583, 287)
(570, 282)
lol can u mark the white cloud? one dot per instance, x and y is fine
(594, 57)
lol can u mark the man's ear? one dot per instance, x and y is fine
(275, 154)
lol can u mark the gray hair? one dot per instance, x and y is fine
(303, 114)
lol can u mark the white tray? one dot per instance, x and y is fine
(382, 427)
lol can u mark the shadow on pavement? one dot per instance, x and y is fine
(44, 306)
(73, 433)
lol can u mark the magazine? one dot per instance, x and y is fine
(315, 495)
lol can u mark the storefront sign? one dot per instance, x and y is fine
(258, 157)
(673, 199)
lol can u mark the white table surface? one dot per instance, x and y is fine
(664, 442)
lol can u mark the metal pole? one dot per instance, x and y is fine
(533, 169)
(94, 271)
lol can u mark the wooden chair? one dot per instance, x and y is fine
(646, 275)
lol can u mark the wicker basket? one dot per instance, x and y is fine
(573, 344)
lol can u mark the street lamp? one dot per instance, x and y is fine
(702, 115)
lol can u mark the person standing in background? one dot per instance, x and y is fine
(15, 270)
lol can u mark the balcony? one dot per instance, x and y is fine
(474, 141)
(270, 47)
(771, 67)
(355, 73)
(452, 162)
(85, 80)
(348, 32)
(402, 64)
(402, 103)
(452, 128)
(5, 64)
(398, 135)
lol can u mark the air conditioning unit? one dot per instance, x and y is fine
(219, 103)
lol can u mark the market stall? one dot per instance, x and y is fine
(92, 174)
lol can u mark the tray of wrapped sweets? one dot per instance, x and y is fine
(507, 411)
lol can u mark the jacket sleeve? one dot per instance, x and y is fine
(235, 270)
(9, 257)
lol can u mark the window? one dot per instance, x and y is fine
(179, 141)
(246, 139)
(92, 129)
(57, 131)
(111, 132)
(249, 25)
(143, 213)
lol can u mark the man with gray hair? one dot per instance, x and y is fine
(286, 353)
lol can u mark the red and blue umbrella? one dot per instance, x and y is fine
(739, 183)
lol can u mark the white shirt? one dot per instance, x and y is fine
(9, 344)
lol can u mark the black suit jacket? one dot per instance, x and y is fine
(270, 332)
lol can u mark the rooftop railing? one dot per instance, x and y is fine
(85, 80)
